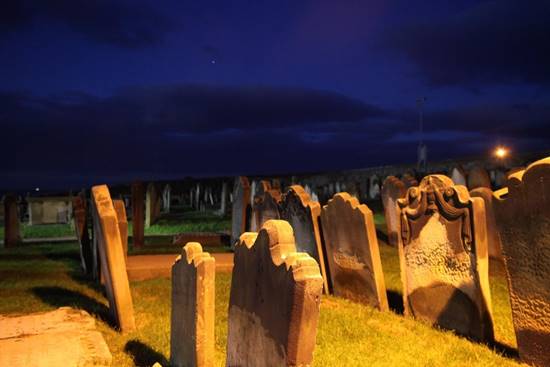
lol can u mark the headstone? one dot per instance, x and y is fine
(409, 180)
(80, 212)
(493, 239)
(113, 264)
(223, 199)
(478, 177)
(240, 208)
(138, 219)
(12, 235)
(458, 175)
(192, 320)
(266, 205)
(166, 198)
(303, 214)
(120, 211)
(256, 196)
(444, 259)
(522, 212)
(392, 190)
(500, 179)
(374, 187)
(274, 301)
(152, 205)
(352, 251)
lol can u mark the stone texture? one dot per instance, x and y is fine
(152, 205)
(80, 212)
(274, 302)
(303, 214)
(493, 239)
(192, 327)
(522, 212)
(352, 251)
(120, 210)
(12, 235)
(138, 219)
(64, 337)
(478, 177)
(409, 180)
(257, 191)
(374, 187)
(392, 189)
(240, 208)
(267, 205)
(458, 175)
(113, 264)
(444, 259)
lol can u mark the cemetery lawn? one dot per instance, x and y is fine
(43, 277)
(187, 221)
(44, 230)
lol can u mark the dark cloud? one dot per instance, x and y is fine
(125, 24)
(494, 42)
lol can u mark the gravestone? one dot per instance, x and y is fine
(192, 318)
(522, 212)
(113, 265)
(374, 187)
(138, 219)
(444, 259)
(240, 209)
(409, 180)
(12, 235)
(256, 196)
(392, 189)
(166, 198)
(267, 205)
(478, 177)
(274, 301)
(493, 239)
(120, 211)
(458, 175)
(152, 205)
(303, 214)
(80, 212)
(352, 251)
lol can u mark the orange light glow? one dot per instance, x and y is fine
(501, 152)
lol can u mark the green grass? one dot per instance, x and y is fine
(43, 230)
(175, 223)
(44, 277)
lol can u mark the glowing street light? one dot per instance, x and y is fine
(501, 152)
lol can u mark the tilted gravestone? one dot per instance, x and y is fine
(193, 301)
(444, 259)
(392, 189)
(274, 302)
(352, 251)
(120, 211)
(240, 208)
(303, 214)
(80, 213)
(267, 206)
(478, 177)
(522, 212)
(458, 175)
(493, 239)
(113, 265)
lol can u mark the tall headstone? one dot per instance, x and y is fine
(392, 190)
(458, 175)
(120, 211)
(303, 214)
(152, 205)
(493, 238)
(266, 205)
(240, 208)
(444, 259)
(113, 265)
(274, 301)
(374, 187)
(166, 198)
(352, 251)
(12, 235)
(478, 177)
(522, 212)
(193, 300)
(80, 212)
(138, 219)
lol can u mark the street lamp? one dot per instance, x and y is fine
(501, 152)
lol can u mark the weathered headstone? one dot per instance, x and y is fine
(152, 205)
(266, 205)
(374, 187)
(274, 302)
(409, 180)
(120, 211)
(257, 191)
(240, 208)
(522, 212)
(392, 189)
(478, 177)
(458, 175)
(138, 219)
(352, 251)
(113, 265)
(12, 234)
(166, 198)
(444, 259)
(493, 239)
(80, 212)
(303, 214)
(193, 292)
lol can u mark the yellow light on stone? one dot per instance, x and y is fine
(501, 152)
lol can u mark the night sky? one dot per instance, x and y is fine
(104, 91)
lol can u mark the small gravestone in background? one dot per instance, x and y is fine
(138, 220)
(192, 319)
(303, 214)
(478, 177)
(409, 180)
(267, 206)
(120, 210)
(392, 189)
(458, 175)
(152, 205)
(374, 187)
(522, 214)
(444, 259)
(113, 265)
(274, 302)
(352, 251)
(493, 239)
(12, 235)
(240, 208)
(257, 192)
(80, 212)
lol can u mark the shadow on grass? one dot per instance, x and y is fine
(395, 301)
(59, 297)
(144, 355)
(505, 350)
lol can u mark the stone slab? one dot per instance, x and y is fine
(493, 238)
(478, 177)
(120, 210)
(392, 189)
(240, 210)
(80, 212)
